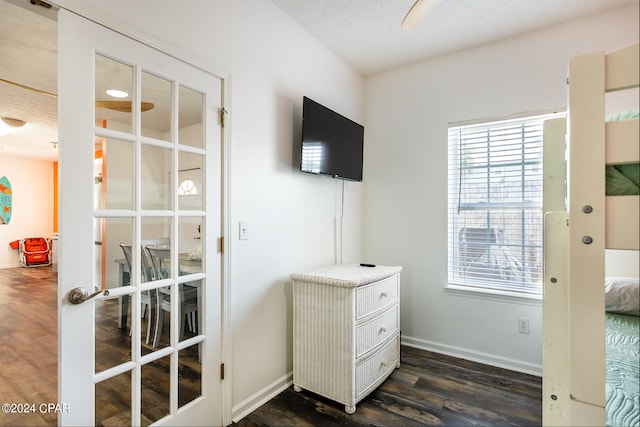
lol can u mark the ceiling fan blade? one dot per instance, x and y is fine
(123, 106)
(417, 13)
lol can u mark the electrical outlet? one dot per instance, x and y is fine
(523, 326)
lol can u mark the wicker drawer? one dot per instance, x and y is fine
(370, 371)
(346, 330)
(376, 330)
(371, 298)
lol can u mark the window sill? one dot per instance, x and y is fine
(493, 295)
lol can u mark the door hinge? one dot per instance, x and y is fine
(41, 3)
(221, 244)
(222, 371)
(223, 113)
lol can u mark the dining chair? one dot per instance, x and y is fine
(188, 294)
(147, 298)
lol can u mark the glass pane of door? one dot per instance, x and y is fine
(189, 374)
(190, 244)
(156, 177)
(156, 107)
(114, 179)
(190, 125)
(190, 179)
(113, 401)
(155, 390)
(113, 271)
(113, 94)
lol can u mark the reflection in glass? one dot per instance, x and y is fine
(112, 338)
(190, 310)
(156, 123)
(190, 117)
(190, 179)
(155, 247)
(155, 390)
(160, 256)
(190, 244)
(155, 231)
(113, 401)
(162, 333)
(110, 268)
(114, 178)
(113, 112)
(189, 294)
(187, 188)
(189, 374)
(148, 301)
(190, 261)
(148, 322)
(156, 178)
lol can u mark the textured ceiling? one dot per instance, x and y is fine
(366, 33)
(29, 52)
(28, 48)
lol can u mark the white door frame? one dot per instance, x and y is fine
(106, 19)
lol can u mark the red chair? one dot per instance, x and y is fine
(35, 252)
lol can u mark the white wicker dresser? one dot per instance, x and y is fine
(346, 336)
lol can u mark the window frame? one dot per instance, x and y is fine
(458, 282)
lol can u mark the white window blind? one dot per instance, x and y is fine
(495, 205)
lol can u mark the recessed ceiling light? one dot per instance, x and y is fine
(117, 93)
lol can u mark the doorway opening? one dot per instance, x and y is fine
(28, 160)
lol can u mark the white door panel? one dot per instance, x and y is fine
(150, 350)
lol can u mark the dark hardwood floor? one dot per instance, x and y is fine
(28, 343)
(29, 362)
(428, 389)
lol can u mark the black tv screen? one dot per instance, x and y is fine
(331, 143)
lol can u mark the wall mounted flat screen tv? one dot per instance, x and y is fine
(331, 143)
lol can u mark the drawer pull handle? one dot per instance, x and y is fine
(386, 363)
(383, 295)
(383, 329)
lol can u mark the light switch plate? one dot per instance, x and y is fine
(243, 231)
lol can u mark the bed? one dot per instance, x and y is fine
(591, 204)
(622, 348)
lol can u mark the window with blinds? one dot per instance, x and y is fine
(495, 205)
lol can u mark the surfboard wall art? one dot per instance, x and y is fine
(5, 200)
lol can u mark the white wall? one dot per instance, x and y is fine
(407, 111)
(272, 63)
(32, 211)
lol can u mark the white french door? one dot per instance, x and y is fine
(140, 175)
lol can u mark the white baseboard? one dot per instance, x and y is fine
(11, 265)
(258, 399)
(474, 356)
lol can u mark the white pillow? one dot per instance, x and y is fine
(622, 295)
